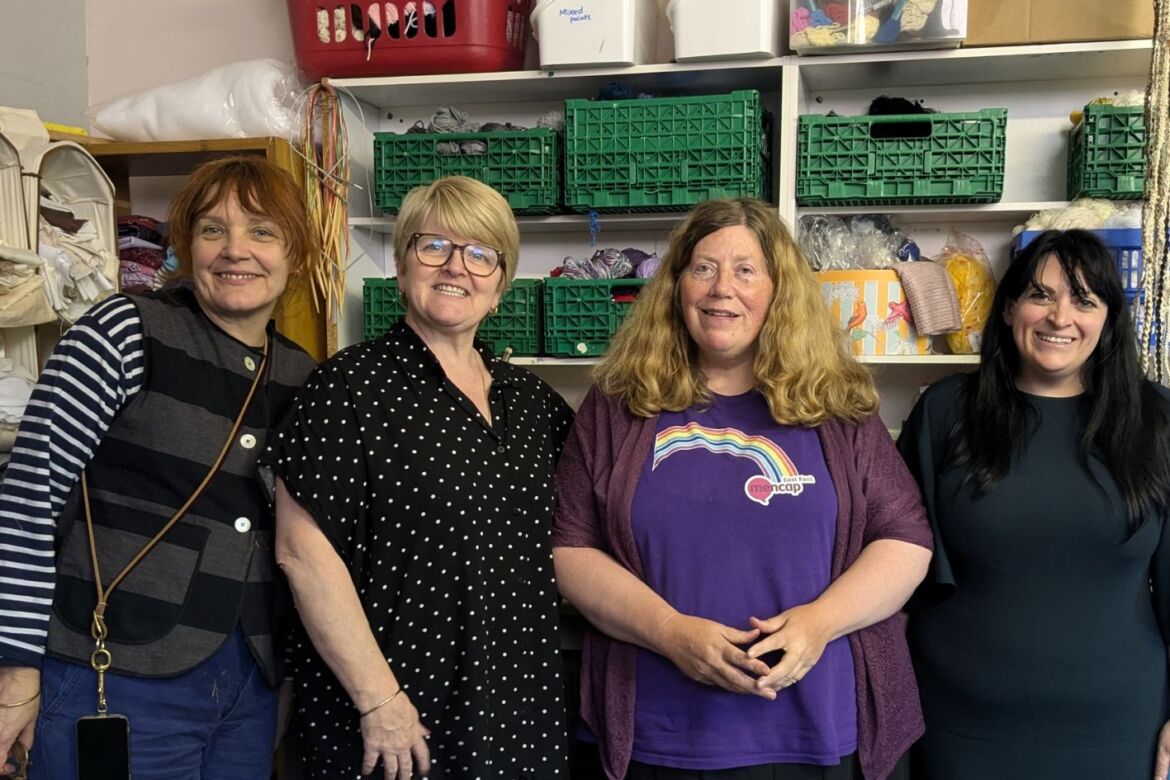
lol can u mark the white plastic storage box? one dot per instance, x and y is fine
(740, 30)
(593, 33)
(833, 27)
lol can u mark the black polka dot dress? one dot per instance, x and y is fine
(444, 522)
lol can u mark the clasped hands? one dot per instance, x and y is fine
(731, 658)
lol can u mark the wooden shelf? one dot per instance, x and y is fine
(297, 316)
(173, 158)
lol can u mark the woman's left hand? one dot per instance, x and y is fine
(801, 633)
(1162, 755)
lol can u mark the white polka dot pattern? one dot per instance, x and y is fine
(444, 522)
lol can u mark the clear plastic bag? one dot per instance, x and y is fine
(866, 241)
(970, 272)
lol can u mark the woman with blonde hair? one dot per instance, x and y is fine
(736, 525)
(413, 513)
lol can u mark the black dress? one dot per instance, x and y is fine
(1047, 660)
(444, 523)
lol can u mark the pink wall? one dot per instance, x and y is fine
(135, 44)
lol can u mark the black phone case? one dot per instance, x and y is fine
(103, 747)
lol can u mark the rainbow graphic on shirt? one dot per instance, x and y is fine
(779, 475)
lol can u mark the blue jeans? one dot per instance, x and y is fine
(216, 721)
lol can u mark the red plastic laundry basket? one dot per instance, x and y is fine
(408, 37)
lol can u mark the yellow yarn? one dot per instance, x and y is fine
(915, 13)
(827, 35)
(975, 289)
(871, 27)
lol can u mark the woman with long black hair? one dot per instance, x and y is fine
(1041, 651)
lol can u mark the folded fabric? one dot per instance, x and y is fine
(137, 226)
(15, 391)
(60, 217)
(934, 305)
(136, 278)
(143, 255)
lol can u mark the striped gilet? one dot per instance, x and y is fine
(215, 568)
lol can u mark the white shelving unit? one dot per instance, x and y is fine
(1039, 85)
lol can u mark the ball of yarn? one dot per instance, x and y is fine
(799, 20)
(838, 12)
(872, 23)
(909, 251)
(915, 14)
(647, 267)
(553, 120)
(828, 35)
(449, 119)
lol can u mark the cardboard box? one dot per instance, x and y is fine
(871, 306)
(1004, 22)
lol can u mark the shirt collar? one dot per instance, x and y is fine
(418, 361)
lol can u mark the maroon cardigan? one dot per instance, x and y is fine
(876, 498)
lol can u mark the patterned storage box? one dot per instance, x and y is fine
(872, 308)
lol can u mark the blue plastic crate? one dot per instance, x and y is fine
(1126, 244)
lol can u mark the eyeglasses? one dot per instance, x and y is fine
(434, 251)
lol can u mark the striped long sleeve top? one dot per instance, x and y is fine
(95, 370)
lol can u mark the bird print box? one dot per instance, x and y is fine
(872, 308)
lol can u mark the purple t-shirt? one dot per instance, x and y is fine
(735, 515)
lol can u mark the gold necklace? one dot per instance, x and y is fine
(485, 377)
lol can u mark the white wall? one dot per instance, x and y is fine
(135, 44)
(42, 58)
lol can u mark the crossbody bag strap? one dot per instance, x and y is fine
(98, 629)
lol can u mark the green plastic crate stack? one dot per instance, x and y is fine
(901, 159)
(381, 306)
(661, 154)
(1106, 154)
(522, 165)
(581, 315)
(517, 324)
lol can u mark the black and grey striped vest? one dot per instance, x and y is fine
(215, 568)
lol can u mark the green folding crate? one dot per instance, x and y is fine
(901, 159)
(523, 165)
(516, 325)
(381, 306)
(661, 154)
(1107, 154)
(581, 315)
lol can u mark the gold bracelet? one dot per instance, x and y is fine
(16, 704)
(382, 703)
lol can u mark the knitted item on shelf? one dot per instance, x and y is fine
(1154, 311)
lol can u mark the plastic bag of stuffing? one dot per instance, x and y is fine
(241, 100)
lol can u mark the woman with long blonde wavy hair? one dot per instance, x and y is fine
(735, 523)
